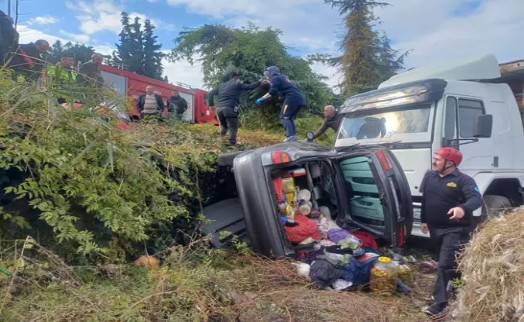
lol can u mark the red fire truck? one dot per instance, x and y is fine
(129, 84)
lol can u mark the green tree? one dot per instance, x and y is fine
(152, 55)
(81, 53)
(122, 56)
(137, 50)
(223, 50)
(367, 57)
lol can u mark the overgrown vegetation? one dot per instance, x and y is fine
(194, 284)
(223, 50)
(87, 189)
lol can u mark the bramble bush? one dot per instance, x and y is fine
(73, 179)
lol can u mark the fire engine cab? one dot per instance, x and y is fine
(129, 84)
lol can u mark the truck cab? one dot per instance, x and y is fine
(359, 187)
(421, 110)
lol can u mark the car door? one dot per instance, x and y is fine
(374, 193)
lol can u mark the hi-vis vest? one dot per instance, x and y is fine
(59, 75)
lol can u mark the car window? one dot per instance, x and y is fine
(362, 192)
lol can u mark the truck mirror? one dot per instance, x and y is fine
(483, 126)
(309, 136)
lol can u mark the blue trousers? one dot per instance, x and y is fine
(287, 114)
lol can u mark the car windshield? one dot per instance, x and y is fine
(406, 124)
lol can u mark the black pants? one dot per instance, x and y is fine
(449, 243)
(228, 121)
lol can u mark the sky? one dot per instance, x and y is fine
(433, 31)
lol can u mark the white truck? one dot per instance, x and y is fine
(470, 105)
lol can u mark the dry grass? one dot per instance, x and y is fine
(492, 267)
(267, 290)
(193, 284)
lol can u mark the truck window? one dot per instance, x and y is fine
(450, 118)
(468, 110)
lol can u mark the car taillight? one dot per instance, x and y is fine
(280, 157)
(384, 161)
(401, 235)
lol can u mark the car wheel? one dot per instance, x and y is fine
(494, 205)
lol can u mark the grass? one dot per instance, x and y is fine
(194, 283)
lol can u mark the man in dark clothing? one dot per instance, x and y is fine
(149, 103)
(331, 120)
(294, 100)
(90, 80)
(228, 101)
(28, 60)
(8, 37)
(449, 198)
(90, 74)
(176, 104)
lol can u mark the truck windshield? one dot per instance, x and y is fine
(409, 123)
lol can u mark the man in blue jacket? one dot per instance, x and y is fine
(294, 100)
(449, 198)
(228, 101)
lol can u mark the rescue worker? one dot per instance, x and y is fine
(61, 77)
(331, 120)
(294, 100)
(449, 198)
(91, 80)
(176, 104)
(149, 103)
(228, 104)
(28, 60)
(90, 73)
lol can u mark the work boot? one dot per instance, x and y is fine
(436, 310)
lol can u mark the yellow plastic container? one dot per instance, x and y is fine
(383, 279)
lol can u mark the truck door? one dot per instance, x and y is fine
(375, 194)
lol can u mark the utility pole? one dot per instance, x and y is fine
(9, 8)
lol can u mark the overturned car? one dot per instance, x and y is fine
(282, 197)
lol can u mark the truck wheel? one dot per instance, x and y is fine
(494, 205)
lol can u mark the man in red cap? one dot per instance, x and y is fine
(449, 198)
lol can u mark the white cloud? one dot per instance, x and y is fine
(450, 29)
(28, 35)
(182, 71)
(97, 16)
(43, 20)
(307, 25)
(81, 38)
(435, 31)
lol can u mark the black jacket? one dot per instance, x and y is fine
(176, 103)
(286, 88)
(90, 74)
(332, 122)
(142, 98)
(28, 61)
(229, 93)
(8, 36)
(440, 194)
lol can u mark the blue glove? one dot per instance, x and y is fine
(259, 101)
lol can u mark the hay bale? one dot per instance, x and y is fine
(492, 268)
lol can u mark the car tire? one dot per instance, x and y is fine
(494, 205)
